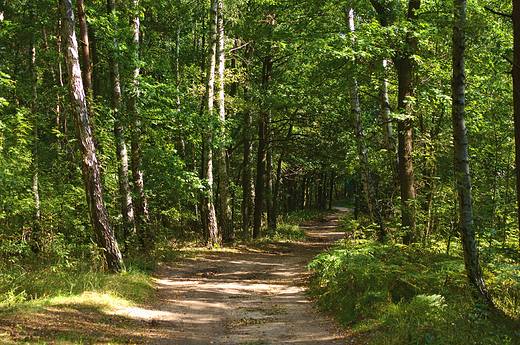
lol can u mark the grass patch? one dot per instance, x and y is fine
(394, 294)
(285, 232)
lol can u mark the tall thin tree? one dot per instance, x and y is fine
(127, 208)
(226, 218)
(460, 143)
(90, 167)
(208, 207)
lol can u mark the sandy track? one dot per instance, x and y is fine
(246, 296)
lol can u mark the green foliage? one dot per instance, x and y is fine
(284, 232)
(411, 295)
(60, 273)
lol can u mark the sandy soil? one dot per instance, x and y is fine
(249, 296)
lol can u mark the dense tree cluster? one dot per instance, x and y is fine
(200, 118)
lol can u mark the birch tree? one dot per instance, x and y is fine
(90, 166)
(355, 114)
(460, 143)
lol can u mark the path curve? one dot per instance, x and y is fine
(248, 296)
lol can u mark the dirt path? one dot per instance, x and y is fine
(248, 296)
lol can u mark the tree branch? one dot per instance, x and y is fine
(498, 13)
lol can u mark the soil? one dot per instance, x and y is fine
(251, 294)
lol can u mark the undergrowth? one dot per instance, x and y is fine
(395, 294)
(61, 272)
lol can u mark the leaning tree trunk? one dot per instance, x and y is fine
(366, 176)
(208, 207)
(225, 204)
(467, 231)
(90, 167)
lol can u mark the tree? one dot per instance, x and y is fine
(355, 113)
(460, 144)
(208, 207)
(90, 167)
(226, 219)
(516, 97)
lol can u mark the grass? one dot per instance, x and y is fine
(395, 294)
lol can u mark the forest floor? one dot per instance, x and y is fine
(251, 294)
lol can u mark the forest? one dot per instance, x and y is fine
(128, 128)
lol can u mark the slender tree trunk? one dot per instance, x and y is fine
(516, 99)
(90, 167)
(366, 176)
(208, 207)
(260, 179)
(261, 155)
(34, 113)
(271, 223)
(226, 215)
(85, 58)
(246, 173)
(246, 176)
(388, 132)
(127, 208)
(140, 200)
(469, 241)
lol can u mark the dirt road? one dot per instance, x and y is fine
(247, 296)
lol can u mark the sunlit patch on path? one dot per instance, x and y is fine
(243, 297)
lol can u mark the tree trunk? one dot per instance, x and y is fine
(90, 167)
(35, 166)
(469, 241)
(208, 207)
(85, 58)
(226, 215)
(516, 99)
(246, 176)
(405, 70)
(127, 208)
(366, 176)
(261, 155)
(388, 131)
(140, 200)
(260, 179)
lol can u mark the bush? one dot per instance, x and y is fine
(408, 295)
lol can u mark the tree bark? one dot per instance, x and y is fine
(85, 58)
(469, 241)
(516, 99)
(260, 179)
(405, 71)
(35, 144)
(208, 207)
(140, 200)
(366, 176)
(261, 155)
(90, 167)
(127, 208)
(388, 131)
(226, 215)
(246, 176)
